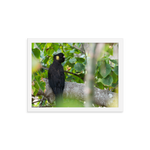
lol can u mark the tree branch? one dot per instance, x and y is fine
(66, 72)
(76, 91)
(81, 49)
(36, 101)
(90, 75)
(74, 74)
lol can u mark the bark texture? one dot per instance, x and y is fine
(77, 91)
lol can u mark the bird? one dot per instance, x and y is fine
(56, 78)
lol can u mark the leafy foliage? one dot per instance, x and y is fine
(79, 67)
(105, 69)
(106, 73)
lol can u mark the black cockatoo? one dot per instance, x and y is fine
(57, 78)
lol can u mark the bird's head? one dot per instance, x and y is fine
(59, 57)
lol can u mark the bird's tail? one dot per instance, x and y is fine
(59, 100)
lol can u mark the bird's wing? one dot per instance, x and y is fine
(56, 79)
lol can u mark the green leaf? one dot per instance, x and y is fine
(42, 46)
(115, 77)
(98, 64)
(35, 91)
(42, 54)
(46, 60)
(110, 51)
(71, 44)
(38, 78)
(78, 44)
(48, 45)
(55, 46)
(77, 51)
(36, 52)
(80, 60)
(105, 69)
(77, 79)
(32, 45)
(107, 60)
(50, 52)
(82, 75)
(116, 70)
(99, 75)
(106, 47)
(40, 83)
(79, 67)
(100, 85)
(38, 45)
(35, 88)
(114, 84)
(108, 80)
(33, 77)
(72, 60)
(115, 61)
(45, 52)
(68, 54)
(69, 78)
(72, 51)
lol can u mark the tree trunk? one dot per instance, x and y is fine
(76, 90)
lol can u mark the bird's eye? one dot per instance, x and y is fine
(57, 57)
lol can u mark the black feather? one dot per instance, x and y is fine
(57, 78)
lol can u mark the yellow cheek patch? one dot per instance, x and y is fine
(57, 57)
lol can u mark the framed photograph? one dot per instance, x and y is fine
(75, 75)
